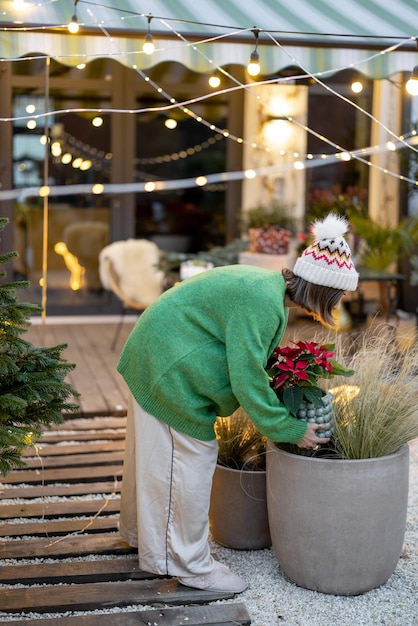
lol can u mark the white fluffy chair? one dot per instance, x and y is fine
(129, 269)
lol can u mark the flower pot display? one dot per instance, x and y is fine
(238, 509)
(319, 412)
(337, 526)
(294, 373)
(269, 240)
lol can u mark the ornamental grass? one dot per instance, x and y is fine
(376, 413)
(240, 445)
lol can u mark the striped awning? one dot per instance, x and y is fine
(375, 37)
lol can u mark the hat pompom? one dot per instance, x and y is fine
(330, 227)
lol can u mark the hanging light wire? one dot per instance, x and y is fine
(253, 67)
(73, 25)
(148, 46)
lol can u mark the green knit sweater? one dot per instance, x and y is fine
(201, 348)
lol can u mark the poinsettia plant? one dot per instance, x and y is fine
(295, 370)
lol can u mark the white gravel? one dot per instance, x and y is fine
(271, 600)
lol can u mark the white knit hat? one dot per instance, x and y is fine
(328, 260)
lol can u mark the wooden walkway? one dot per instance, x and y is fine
(102, 390)
(63, 561)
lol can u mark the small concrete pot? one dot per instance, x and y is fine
(337, 526)
(238, 509)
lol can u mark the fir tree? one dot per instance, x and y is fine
(33, 391)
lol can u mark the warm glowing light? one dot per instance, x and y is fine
(56, 149)
(253, 68)
(43, 140)
(150, 186)
(148, 46)
(97, 189)
(31, 124)
(412, 87)
(86, 165)
(170, 123)
(44, 191)
(73, 26)
(66, 158)
(81, 66)
(77, 271)
(30, 108)
(279, 133)
(250, 174)
(345, 156)
(77, 162)
(356, 86)
(214, 81)
(391, 146)
(201, 181)
(97, 121)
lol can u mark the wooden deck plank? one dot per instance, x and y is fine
(72, 460)
(90, 473)
(89, 596)
(224, 615)
(90, 423)
(51, 528)
(58, 509)
(74, 571)
(70, 545)
(71, 489)
(101, 388)
(104, 373)
(100, 445)
(56, 437)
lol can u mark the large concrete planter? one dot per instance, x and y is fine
(337, 526)
(238, 509)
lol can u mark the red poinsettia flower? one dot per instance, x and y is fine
(301, 366)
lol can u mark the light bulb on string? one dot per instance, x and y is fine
(356, 86)
(214, 80)
(148, 46)
(412, 83)
(73, 26)
(253, 68)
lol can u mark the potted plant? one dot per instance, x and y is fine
(238, 508)
(270, 228)
(337, 515)
(294, 373)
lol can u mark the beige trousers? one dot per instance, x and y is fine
(166, 485)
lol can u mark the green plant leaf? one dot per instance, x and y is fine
(292, 398)
(313, 394)
(340, 370)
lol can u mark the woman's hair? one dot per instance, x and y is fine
(317, 300)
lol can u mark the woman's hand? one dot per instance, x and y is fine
(310, 440)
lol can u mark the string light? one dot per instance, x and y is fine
(356, 86)
(170, 123)
(253, 68)
(148, 46)
(73, 26)
(412, 84)
(214, 81)
(238, 139)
